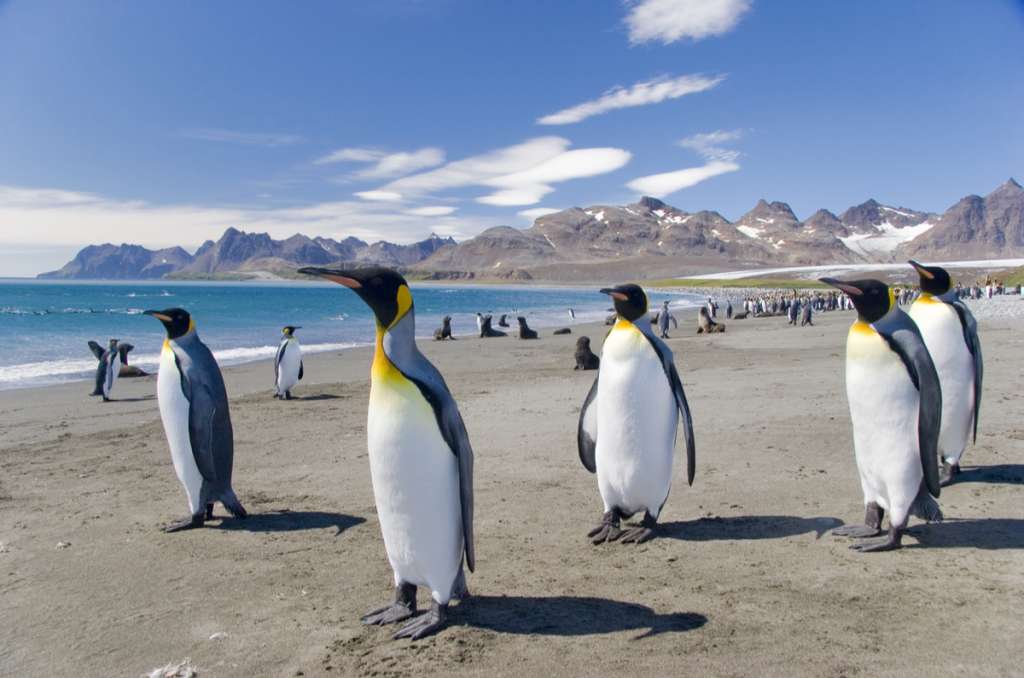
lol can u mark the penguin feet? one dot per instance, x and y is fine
(872, 526)
(638, 534)
(287, 395)
(209, 511)
(189, 523)
(403, 608)
(890, 543)
(460, 590)
(426, 624)
(948, 473)
(608, 530)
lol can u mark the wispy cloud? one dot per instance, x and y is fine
(709, 146)
(537, 212)
(430, 211)
(268, 139)
(385, 165)
(644, 93)
(667, 21)
(380, 196)
(523, 173)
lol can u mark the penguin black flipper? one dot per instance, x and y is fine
(300, 370)
(277, 360)
(124, 349)
(586, 431)
(209, 421)
(669, 365)
(970, 327)
(97, 350)
(431, 384)
(903, 337)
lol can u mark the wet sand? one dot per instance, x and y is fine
(744, 579)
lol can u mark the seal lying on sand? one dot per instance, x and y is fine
(705, 325)
(562, 330)
(585, 358)
(445, 330)
(487, 331)
(524, 330)
(742, 315)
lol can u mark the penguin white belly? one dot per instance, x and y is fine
(174, 411)
(943, 335)
(415, 485)
(288, 369)
(884, 406)
(113, 370)
(637, 421)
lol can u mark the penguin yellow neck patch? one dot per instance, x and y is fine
(927, 298)
(622, 324)
(861, 327)
(382, 368)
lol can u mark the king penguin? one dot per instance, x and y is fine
(287, 363)
(194, 409)
(896, 407)
(421, 462)
(951, 335)
(627, 427)
(109, 367)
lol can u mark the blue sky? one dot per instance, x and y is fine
(163, 123)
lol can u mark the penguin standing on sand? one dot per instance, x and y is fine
(627, 428)
(194, 409)
(896, 407)
(109, 367)
(951, 335)
(421, 462)
(287, 363)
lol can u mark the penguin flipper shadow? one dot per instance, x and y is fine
(96, 349)
(586, 431)
(970, 327)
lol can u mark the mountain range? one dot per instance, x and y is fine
(648, 238)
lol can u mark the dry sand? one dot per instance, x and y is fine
(744, 580)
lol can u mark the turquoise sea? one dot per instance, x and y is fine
(44, 325)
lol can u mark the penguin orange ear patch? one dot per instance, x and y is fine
(350, 283)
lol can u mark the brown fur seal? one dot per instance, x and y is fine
(487, 331)
(585, 358)
(524, 330)
(132, 371)
(705, 325)
(445, 330)
(742, 315)
(562, 330)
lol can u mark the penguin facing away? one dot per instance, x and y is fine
(421, 461)
(628, 422)
(896, 408)
(287, 363)
(951, 335)
(194, 409)
(109, 367)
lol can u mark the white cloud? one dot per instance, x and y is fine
(380, 196)
(708, 145)
(32, 218)
(385, 165)
(640, 94)
(430, 211)
(661, 185)
(667, 21)
(537, 212)
(268, 139)
(523, 172)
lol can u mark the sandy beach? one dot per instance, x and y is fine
(744, 578)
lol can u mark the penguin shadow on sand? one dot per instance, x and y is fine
(317, 396)
(291, 521)
(981, 533)
(140, 399)
(571, 616)
(999, 474)
(741, 528)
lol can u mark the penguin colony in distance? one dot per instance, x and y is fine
(287, 363)
(109, 367)
(896, 407)
(194, 409)
(421, 462)
(627, 427)
(951, 335)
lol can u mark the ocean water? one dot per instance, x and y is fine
(44, 325)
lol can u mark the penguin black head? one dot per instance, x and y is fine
(934, 279)
(872, 298)
(630, 301)
(113, 343)
(289, 330)
(177, 321)
(383, 289)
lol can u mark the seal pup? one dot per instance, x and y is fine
(524, 330)
(951, 335)
(585, 358)
(421, 462)
(194, 409)
(896, 408)
(705, 325)
(445, 330)
(288, 369)
(627, 427)
(109, 367)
